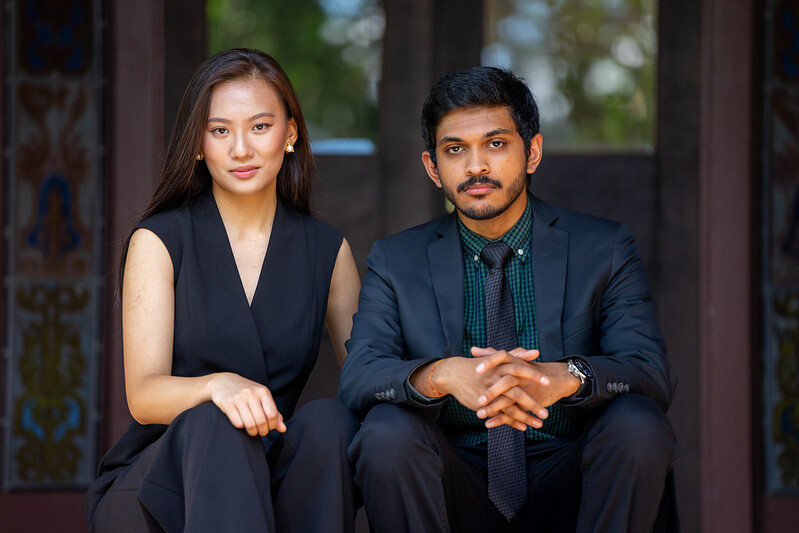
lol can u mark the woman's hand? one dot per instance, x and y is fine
(248, 405)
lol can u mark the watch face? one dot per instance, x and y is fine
(583, 368)
(575, 371)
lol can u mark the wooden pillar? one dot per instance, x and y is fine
(136, 135)
(725, 224)
(405, 199)
(423, 40)
(676, 271)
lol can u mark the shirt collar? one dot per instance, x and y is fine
(518, 238)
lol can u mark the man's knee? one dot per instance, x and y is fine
(390, 434)
(325, 421)
(635, 427)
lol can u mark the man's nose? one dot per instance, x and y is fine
(476, 164)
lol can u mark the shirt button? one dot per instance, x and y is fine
(521, 252)
(476, 258)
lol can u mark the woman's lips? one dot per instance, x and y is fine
(244, 172)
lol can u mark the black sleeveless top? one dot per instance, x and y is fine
(275, 341)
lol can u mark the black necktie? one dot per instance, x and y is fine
(507, 470)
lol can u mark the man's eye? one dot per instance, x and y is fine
(496, 144)
(454, 149)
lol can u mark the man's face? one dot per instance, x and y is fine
(480, 161)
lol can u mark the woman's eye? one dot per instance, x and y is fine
(261, 127)
(219, 131)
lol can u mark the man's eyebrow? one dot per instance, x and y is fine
(498, 131)
(453, 139)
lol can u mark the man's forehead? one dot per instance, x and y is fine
(474, 120)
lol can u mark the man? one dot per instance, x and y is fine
(506, 358)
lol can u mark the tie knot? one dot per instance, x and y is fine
(496, 254)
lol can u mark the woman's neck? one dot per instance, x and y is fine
(248, 217)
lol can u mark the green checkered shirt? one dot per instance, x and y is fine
(460, 423)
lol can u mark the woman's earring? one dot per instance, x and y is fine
(289, 148)
(200, 156)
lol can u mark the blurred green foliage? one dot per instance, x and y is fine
(590, 63)
(330, 50)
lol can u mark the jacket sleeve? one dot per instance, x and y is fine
(377, 366)
(632, 352)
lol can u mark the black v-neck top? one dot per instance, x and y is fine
(275, 340)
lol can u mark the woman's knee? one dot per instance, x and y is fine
(200, 414)
(206, 421)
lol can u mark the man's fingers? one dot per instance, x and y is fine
(492, 360)
(504, 383)
(495, 407)
(477, 351)
(514, 396)
(525, 355)
(503, 418)
(515, 374)
(522, 373)
(517, 413)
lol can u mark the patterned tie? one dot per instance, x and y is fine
(507, 470)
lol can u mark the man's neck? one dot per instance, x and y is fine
(494, 228)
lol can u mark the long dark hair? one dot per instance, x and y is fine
(183, 176)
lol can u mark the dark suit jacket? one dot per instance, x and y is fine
(592, 300)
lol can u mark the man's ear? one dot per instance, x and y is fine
(535, 153)
(431, 168)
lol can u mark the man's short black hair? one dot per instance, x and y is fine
(480, 87)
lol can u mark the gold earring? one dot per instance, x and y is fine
(200, 156)
(289, 148)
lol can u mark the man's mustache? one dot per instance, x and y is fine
(474, 180)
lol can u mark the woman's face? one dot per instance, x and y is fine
(245, 137)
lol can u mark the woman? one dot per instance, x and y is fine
(227, 283)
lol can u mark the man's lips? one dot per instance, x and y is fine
(479, 190)
(244, 172)
(479, 186)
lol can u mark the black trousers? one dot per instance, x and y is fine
(610, 479)
(204, 475)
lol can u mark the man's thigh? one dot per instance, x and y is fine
(553, 481)
(554, 487)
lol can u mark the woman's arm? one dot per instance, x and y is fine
(343, 299)
(148, 324)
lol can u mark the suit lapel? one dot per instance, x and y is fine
(550, 253)
(446, 272)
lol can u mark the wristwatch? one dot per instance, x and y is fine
(580, 370)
